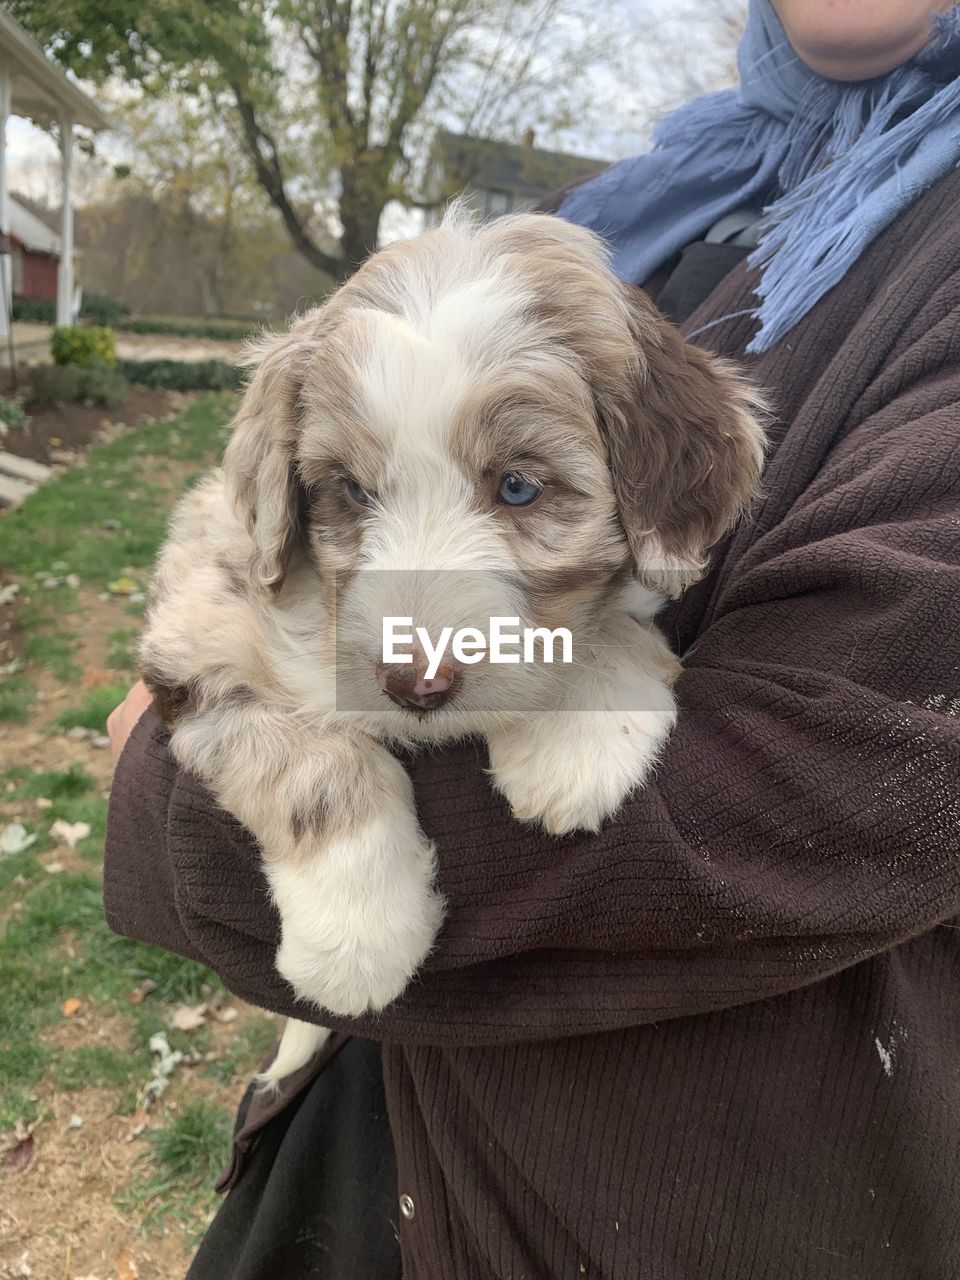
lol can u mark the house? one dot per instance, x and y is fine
(495, 178)
(34, 87)
(35, 250)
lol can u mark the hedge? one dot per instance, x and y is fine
(189, 328)
(184, 375)
(97, 307)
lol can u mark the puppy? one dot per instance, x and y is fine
(480, 423)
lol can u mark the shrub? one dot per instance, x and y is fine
(103, 384)
(35, 310)
(52, 384)
(83, 344)
(184, 375)
(11, 415)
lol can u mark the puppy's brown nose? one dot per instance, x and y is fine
(410, 686)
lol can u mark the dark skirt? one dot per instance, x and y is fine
(312, 1187)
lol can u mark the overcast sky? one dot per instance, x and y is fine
(670, 50)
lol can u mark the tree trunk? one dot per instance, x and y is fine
(361, 204)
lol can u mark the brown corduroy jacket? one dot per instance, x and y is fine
(721, 1039)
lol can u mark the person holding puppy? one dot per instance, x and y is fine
(719, 1038)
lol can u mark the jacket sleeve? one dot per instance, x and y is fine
(804, 815)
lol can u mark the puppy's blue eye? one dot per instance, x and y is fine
(357, 493)
(515, 491)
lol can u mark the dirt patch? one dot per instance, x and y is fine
(69, 428)
(32, 744)
(61, 1211)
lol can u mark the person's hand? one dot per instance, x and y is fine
(121, 720)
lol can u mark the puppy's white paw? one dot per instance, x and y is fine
(573, 770)
(358, 921)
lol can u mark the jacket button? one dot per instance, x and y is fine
(407, 1207)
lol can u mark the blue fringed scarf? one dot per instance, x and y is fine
(846, 158)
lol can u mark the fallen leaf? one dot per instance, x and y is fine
(71, 1006)
(70, 833)
(8, 592)
(126, 1268)
(15, 839)
(136, 996)
(101, 741)
(53, 868)
(19, 1156)
(188, 1017)
(140, 1121)
(122, 587)
(229, 1014)
(75, 1122)
(22, 1266)
(78, 733)
(43, 803)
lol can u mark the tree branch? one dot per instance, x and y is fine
(265, 155)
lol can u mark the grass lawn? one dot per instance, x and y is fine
(78, 1005)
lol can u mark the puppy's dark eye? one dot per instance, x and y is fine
(356, 492)
(515, 491)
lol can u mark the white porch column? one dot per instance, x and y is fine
(65, 270)
(6, 262)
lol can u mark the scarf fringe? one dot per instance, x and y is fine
(847, 159)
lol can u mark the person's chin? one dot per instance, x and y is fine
(834, 43)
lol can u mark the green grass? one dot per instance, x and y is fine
(100, 522)
(64, 521)
(58, 946)
(92, 710)
(187, 1154)
(247, 1051)
(16, 698)
(25, 784)
(42, 621)
(17, 1103)
(120, 655)
(92, 1066)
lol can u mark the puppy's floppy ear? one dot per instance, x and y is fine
(259, 462)
(685, 441)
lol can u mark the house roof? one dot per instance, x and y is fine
(39, 89)
(32, 232)
(521, 168)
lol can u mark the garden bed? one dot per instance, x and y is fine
(71, 428)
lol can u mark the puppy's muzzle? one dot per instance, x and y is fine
(409, 685)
